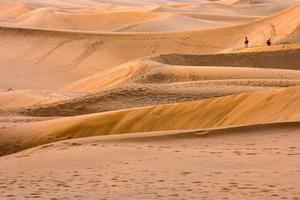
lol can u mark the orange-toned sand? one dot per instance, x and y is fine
(153, 99)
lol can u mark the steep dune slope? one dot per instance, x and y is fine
(237, 110)
(168, 78)
(67, 57)
(276, 59)
(175, 78)
(280, 29)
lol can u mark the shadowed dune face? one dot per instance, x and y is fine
(288, 59)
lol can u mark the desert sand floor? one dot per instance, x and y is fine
(260, 162)
(152, 99)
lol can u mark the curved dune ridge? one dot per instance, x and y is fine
(170, 68)
(37, 70)
(237, 110)
(128, 20)
(154, 80)
(121, 20)
(49, 18)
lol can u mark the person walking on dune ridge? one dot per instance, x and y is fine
(269, 42)
(246, 42)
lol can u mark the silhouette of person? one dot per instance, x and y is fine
(246, 42)
(269, 42)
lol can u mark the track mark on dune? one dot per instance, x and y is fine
(273, 30)
(193, 44)
(155, 48)
(51, 51)
(86, 52)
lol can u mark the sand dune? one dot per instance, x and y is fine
(153, 81)
(135, 21)
(139, 95)
(167, 79)
(38, 69)
(235, 7)
(225, 171)
(24, 98)
(222, 18)
(271, 48)
(102, 21)
(275, 3)
(282, 59)
(237, 110)
(184, 68)
(241, 2)
(173, 23)
(70, 4)
(128, 20)
(12, 10)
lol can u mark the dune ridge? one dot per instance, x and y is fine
(80, 64)
(238, 110)
(153, 81)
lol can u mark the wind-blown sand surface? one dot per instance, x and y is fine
(149, 99)
(237, 163)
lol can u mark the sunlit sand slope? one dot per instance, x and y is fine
(238, 110)
(12, 10)
(173, 78)
(24, 98)
(49, 18)
(68, 56)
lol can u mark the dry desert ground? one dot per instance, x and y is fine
(149, 99)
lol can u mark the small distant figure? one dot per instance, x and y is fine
(246, 42)
(9, 89)
(269, 42)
